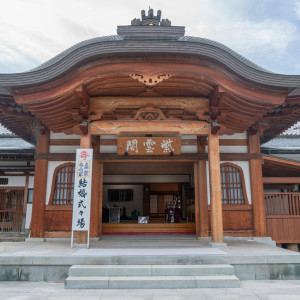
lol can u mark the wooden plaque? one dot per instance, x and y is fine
(149, 145)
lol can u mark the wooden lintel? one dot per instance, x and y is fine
(183, 157)
(64, 142)
(142, 127)
(282, 180)
(99, 105)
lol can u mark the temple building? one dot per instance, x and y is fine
(175, 123)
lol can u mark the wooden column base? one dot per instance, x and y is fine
(293, 247)
(81, 237)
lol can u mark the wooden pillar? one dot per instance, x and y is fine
(215, 189)
(196, 190)
(94, 225)
(203, 206)
(100, 198)
(85, 143)
(40, 187)
(257, 188)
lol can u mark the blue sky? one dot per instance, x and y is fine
(265, 31)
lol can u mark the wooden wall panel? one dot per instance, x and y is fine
(58, 220)
(188, 228)
(284, 229)
(236, 218)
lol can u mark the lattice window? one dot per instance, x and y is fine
(4, 181)
(233, 185)
(63, 185)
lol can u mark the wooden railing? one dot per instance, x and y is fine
(283, 217)
(11, 208)
(278, 204)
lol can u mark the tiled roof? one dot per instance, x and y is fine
(283, 143)
(293, 131)
(288, 140)
(14, 143)
(9, 141)
(5, 132)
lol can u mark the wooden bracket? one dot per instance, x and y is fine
(215, 127)
(253, 130)
(214, 102)
(84, 127)
(84, 100)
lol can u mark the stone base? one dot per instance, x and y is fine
(40, 240)
(217, 245)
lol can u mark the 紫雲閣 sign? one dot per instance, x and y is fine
(149, 145)
(82, 190)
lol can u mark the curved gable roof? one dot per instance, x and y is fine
(156, 40)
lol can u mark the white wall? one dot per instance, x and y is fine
(63, 149)
(14, 181)
(28, 215)
(236, 136)
(137, 202)
(62, 136)
(31, 182)
(246, 170)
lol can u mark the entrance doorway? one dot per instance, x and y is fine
(148, 198)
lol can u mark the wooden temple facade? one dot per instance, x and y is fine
(174, 122)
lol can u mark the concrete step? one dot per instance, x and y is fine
(150, 270)
(151, 282)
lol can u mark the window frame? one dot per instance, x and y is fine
(54, 178)
(243, 186)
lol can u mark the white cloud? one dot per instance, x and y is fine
(242, 33)
(297, 9)
(35, 30)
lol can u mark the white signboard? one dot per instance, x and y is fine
(82, 191)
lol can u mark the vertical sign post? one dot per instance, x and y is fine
(82, 193)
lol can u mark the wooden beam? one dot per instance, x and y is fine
(282, 161)
(183, 157)
(64, 142)
(140, 127)
(215, 189)
(99, 105)
(184, 142)
(282, 180)
(257, 189)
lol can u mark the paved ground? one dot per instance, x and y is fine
(271, 290)
(139, 246)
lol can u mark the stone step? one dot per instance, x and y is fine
(151, 282)
(150, 270)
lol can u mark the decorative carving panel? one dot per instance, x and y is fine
(149, 145)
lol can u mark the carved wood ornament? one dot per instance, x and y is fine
(150, 80)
